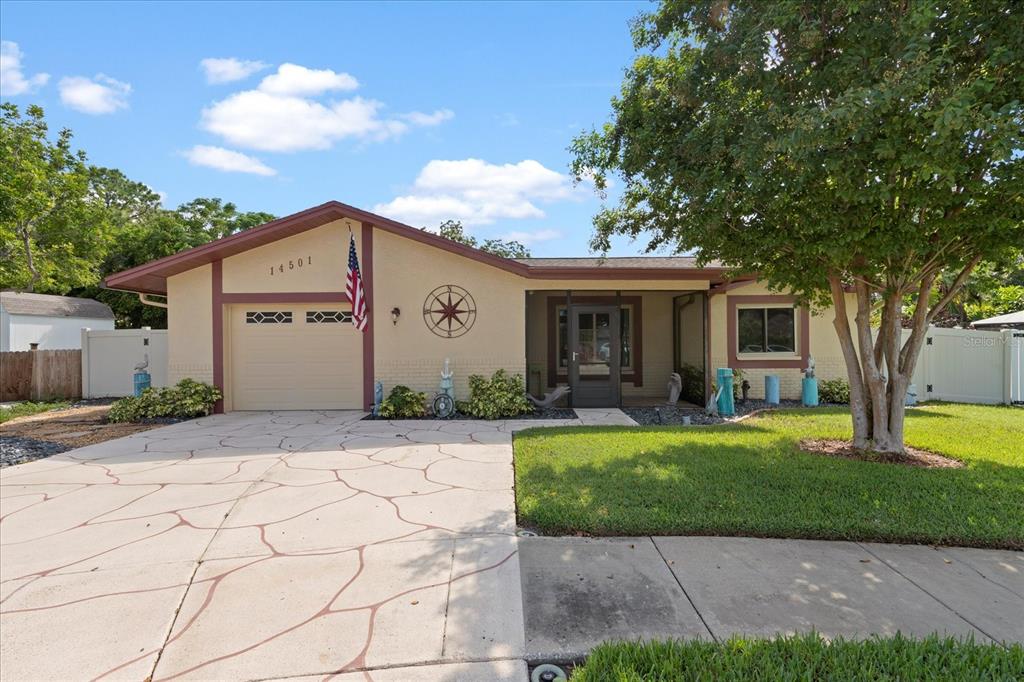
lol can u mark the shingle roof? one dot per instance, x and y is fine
(16, 303)
(680, 262)
(1007, 320)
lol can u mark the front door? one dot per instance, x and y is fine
(594, 355)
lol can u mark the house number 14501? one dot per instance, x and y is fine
(291, 265)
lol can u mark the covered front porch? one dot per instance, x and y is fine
(617, 348)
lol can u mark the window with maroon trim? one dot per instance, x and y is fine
(762, 330)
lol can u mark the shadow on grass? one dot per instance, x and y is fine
(750, 480)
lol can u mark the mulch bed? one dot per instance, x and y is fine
(48, 433)
(673, 416)
(18, 450)
(549, 413)
(912, 457)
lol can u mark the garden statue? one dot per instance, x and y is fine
(809, 385)
(378, 397)
(745, 387)
(443, 405)
(675, 387)
(711, 409)
(549, 399)
(446, 381)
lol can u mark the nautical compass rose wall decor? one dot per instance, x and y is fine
(449, 311)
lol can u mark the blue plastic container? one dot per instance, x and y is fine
(140, 382)
(771, 389)
(809, 394)
(726, 408)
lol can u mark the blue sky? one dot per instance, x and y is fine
(421, 111)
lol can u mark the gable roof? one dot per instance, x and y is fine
(151, 278)
(45, 305)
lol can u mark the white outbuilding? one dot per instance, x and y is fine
(53, 322)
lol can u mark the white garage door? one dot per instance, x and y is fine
(295, 357)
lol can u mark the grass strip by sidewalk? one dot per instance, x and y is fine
(751, 479)
(27, 408)
(802, 657)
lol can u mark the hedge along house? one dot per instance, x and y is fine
(263, 315)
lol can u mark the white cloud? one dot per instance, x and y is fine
(528, 238)
(292, 79)
(99, 95)
(479, 193)
(226, 160)
(12, 78)
(283, 115)
(418, 118)
(228, 69)
(258, 120)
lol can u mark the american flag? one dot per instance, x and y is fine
(354, 288)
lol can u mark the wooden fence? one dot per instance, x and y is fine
(40, 374)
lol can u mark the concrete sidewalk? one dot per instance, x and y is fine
(578, 592)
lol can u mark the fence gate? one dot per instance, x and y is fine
(970, 366)
(1015, 375)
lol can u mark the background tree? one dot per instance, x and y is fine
(510, 248)
(65, 225)
(43, 186)
(827, 144)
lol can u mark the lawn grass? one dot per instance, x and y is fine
(26, 408)
(751, 479)
(804, 657)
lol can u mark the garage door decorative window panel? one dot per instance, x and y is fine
(449, 311)
(328, 316)
(268, 317)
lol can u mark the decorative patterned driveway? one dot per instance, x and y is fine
(265, 545)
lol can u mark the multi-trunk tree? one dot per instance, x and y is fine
(832, 146)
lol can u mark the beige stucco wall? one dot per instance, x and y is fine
(824, 345)
(510, 308)
(315, 260)
(404, 273)
(190, 325)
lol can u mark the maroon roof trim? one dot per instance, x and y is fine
(151, 278)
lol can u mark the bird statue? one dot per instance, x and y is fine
(141, 366)
(549, 398)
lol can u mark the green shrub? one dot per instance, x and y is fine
(186, 400)
(190, 398)
(693, 384)
(403, 403)
(834, 391)
(499, 397)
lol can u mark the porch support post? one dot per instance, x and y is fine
(568, 327)
(706, 300)
(618, 379)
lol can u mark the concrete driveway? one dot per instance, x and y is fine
(266, 545)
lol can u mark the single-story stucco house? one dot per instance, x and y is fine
(263, 314)
(51, 322)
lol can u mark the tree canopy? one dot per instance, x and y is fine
(510, 248)
(64, 225)
(826, 144)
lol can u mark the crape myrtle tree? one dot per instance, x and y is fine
(831, 146)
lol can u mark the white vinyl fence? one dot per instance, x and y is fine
(971, 366)
(109, 358)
